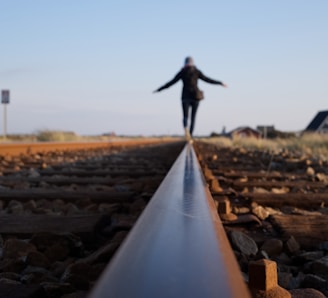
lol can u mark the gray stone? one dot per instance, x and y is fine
(76, 268)
(58, 206)
(8, 281)
(58, 268)
(320, 266)
(261, 254)
(91, 208)
(324, 245)
(104, 207)
(311, 255)
(58, 251)
(78, 281)
(38, 259)
(272, 247)
(243, 243)
(33, 173)
(103, 254)
(10, 275)
(292, 245)
(30, 205)
(56, 289)
(284, 279)
(36, 275)
(77, 294)
(96, 270)
(72, 209)
(15, 248)
(315, 282)
(122, 188)
(306, 293)
(15, 207)
(43, 211)
(21, 291)
(283, 258)
(44, 204)
(61, 244)
(15, 265)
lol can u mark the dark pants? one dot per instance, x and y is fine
(188, 104)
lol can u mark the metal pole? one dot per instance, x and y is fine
(4, 121)
(5, 101)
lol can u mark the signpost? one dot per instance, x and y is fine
(5, 100)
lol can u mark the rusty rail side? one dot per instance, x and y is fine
(178, 247)
(13, 149)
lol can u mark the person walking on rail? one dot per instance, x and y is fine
(191, 95)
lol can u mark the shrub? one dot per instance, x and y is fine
(56, 136)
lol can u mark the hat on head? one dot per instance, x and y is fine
(189, 61)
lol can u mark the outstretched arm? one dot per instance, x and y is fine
(170, 83)
(211, 81)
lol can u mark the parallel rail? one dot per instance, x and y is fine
(178, 247)
(13, 149)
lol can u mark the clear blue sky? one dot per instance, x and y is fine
(91, 66)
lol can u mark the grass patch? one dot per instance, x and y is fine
(315, 145)
(52, 136)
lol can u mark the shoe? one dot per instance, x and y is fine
(187, 134)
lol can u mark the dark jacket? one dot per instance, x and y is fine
(189, 76)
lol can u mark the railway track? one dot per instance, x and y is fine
(273, 207)
(65, 212)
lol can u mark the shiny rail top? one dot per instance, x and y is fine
(178, 247)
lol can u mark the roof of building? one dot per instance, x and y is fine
(317, 121)
(242, 128)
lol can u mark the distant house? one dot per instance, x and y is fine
(266, 130)
(319, 123)
(245, 132)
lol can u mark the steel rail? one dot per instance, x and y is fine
(178, 247)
